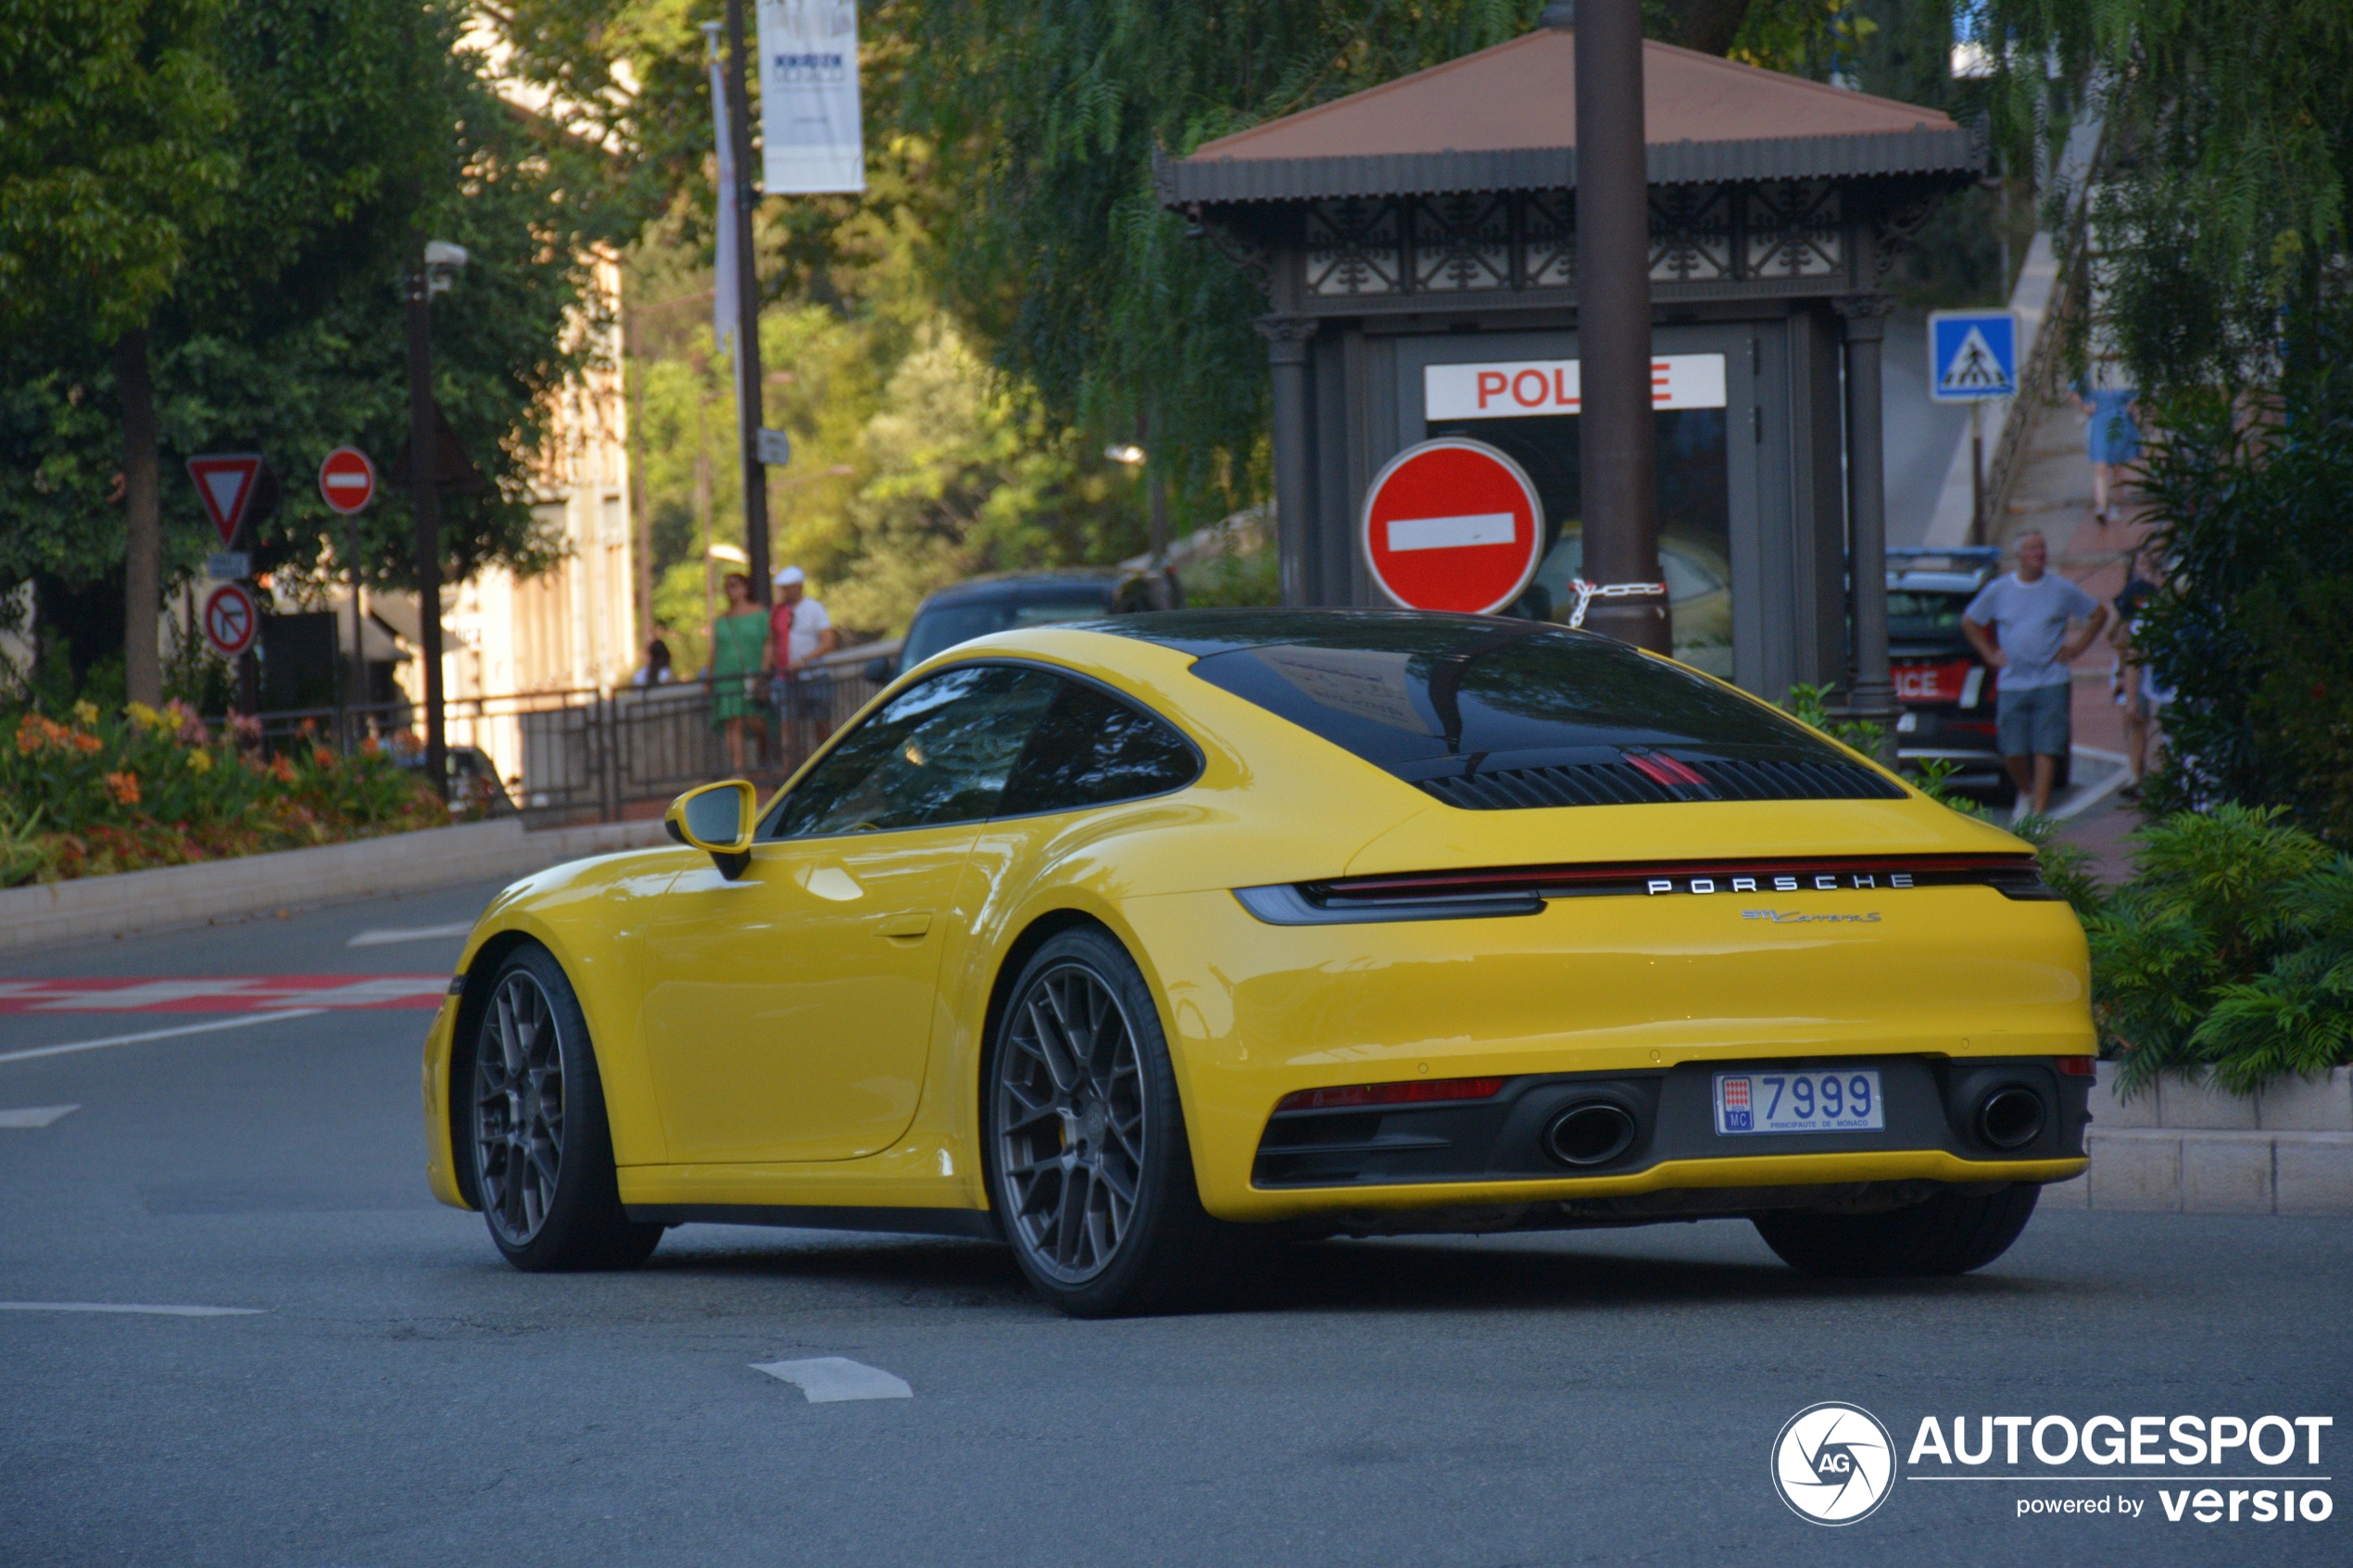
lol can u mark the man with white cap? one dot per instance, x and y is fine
(800, 630)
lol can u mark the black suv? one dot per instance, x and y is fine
(1001, 602)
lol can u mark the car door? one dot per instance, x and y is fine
(789, 1013)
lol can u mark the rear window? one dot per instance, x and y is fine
(1495, 713)
(1917, 615)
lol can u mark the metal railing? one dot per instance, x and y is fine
(561, 757)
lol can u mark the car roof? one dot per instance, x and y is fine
(1205, 632)
(1001, 585)
(1956, 569)
(1936, 582)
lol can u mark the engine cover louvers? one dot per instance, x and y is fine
(1631, 784)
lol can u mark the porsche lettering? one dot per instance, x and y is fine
(1812, 882)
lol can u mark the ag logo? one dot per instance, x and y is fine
(1833, 1464)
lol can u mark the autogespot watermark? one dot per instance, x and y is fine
(1835, 1463)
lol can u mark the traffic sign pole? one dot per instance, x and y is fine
(427, 501)
(348, 482)
(1618, 432)
(1977, 473)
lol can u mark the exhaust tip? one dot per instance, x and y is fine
(2010, 1117)
(1593, 1132)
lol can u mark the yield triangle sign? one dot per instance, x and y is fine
(225, 484)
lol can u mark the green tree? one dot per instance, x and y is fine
(362, 126)
(115, 161)
(2223, 208)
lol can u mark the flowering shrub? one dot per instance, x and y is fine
(154, 787)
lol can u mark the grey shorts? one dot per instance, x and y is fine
(804, 696)
(2034, 721)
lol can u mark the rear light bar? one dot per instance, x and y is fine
(2077, 1066)
(2009, 872)
(1413, 1091)
(1488, 892)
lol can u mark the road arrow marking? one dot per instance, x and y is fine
(826, 1380)
(36, 1115)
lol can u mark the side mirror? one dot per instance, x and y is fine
(879, 671)
(718, 819)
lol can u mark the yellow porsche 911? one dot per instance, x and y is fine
(1127, 940)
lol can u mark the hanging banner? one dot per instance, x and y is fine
(809, 127)
(723, 249)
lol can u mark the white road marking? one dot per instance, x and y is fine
(367, 993)
(826, 1380)
(130, 999)
(131, 1307)
(409, 934)
(36, 1115)
(2099, 792)
(1450, 533)
(239, 1021)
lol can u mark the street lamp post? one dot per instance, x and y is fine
(1617, 430)
(749, 398)
(435, 263)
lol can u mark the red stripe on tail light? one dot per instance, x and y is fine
(1413, 1091)
(1663, 770)
(2076, 1066)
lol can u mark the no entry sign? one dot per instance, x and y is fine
(231, 619)
(1452, 524)
(348, 479)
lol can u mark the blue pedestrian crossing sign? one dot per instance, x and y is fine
(1972, 355)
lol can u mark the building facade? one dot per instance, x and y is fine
(1418, 245)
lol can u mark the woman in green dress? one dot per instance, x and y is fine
(739, 662)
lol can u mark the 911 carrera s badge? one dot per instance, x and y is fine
(1798, 917)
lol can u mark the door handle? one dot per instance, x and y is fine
(913, 923)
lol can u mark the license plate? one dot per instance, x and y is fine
(1845, 1100)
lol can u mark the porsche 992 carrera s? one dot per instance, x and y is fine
(1128, 941)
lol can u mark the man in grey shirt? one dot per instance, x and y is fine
(2018, 625)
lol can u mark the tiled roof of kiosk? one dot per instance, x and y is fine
(1505, 118)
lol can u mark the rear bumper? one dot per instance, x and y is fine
(1931, 1105)
(1630, 990)
(1674, 1189)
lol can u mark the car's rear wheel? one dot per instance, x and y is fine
(542, 1151)
(1089, 1168)
(1950, 1234)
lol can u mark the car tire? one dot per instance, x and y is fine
(534, 1130)
(1080, 1100)
(1950, 1234)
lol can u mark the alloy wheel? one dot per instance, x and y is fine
(1070, 1123)
(519, 1108)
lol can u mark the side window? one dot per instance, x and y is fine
(1092, 749)
(939, 753)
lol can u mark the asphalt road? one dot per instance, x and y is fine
(402, 1397)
